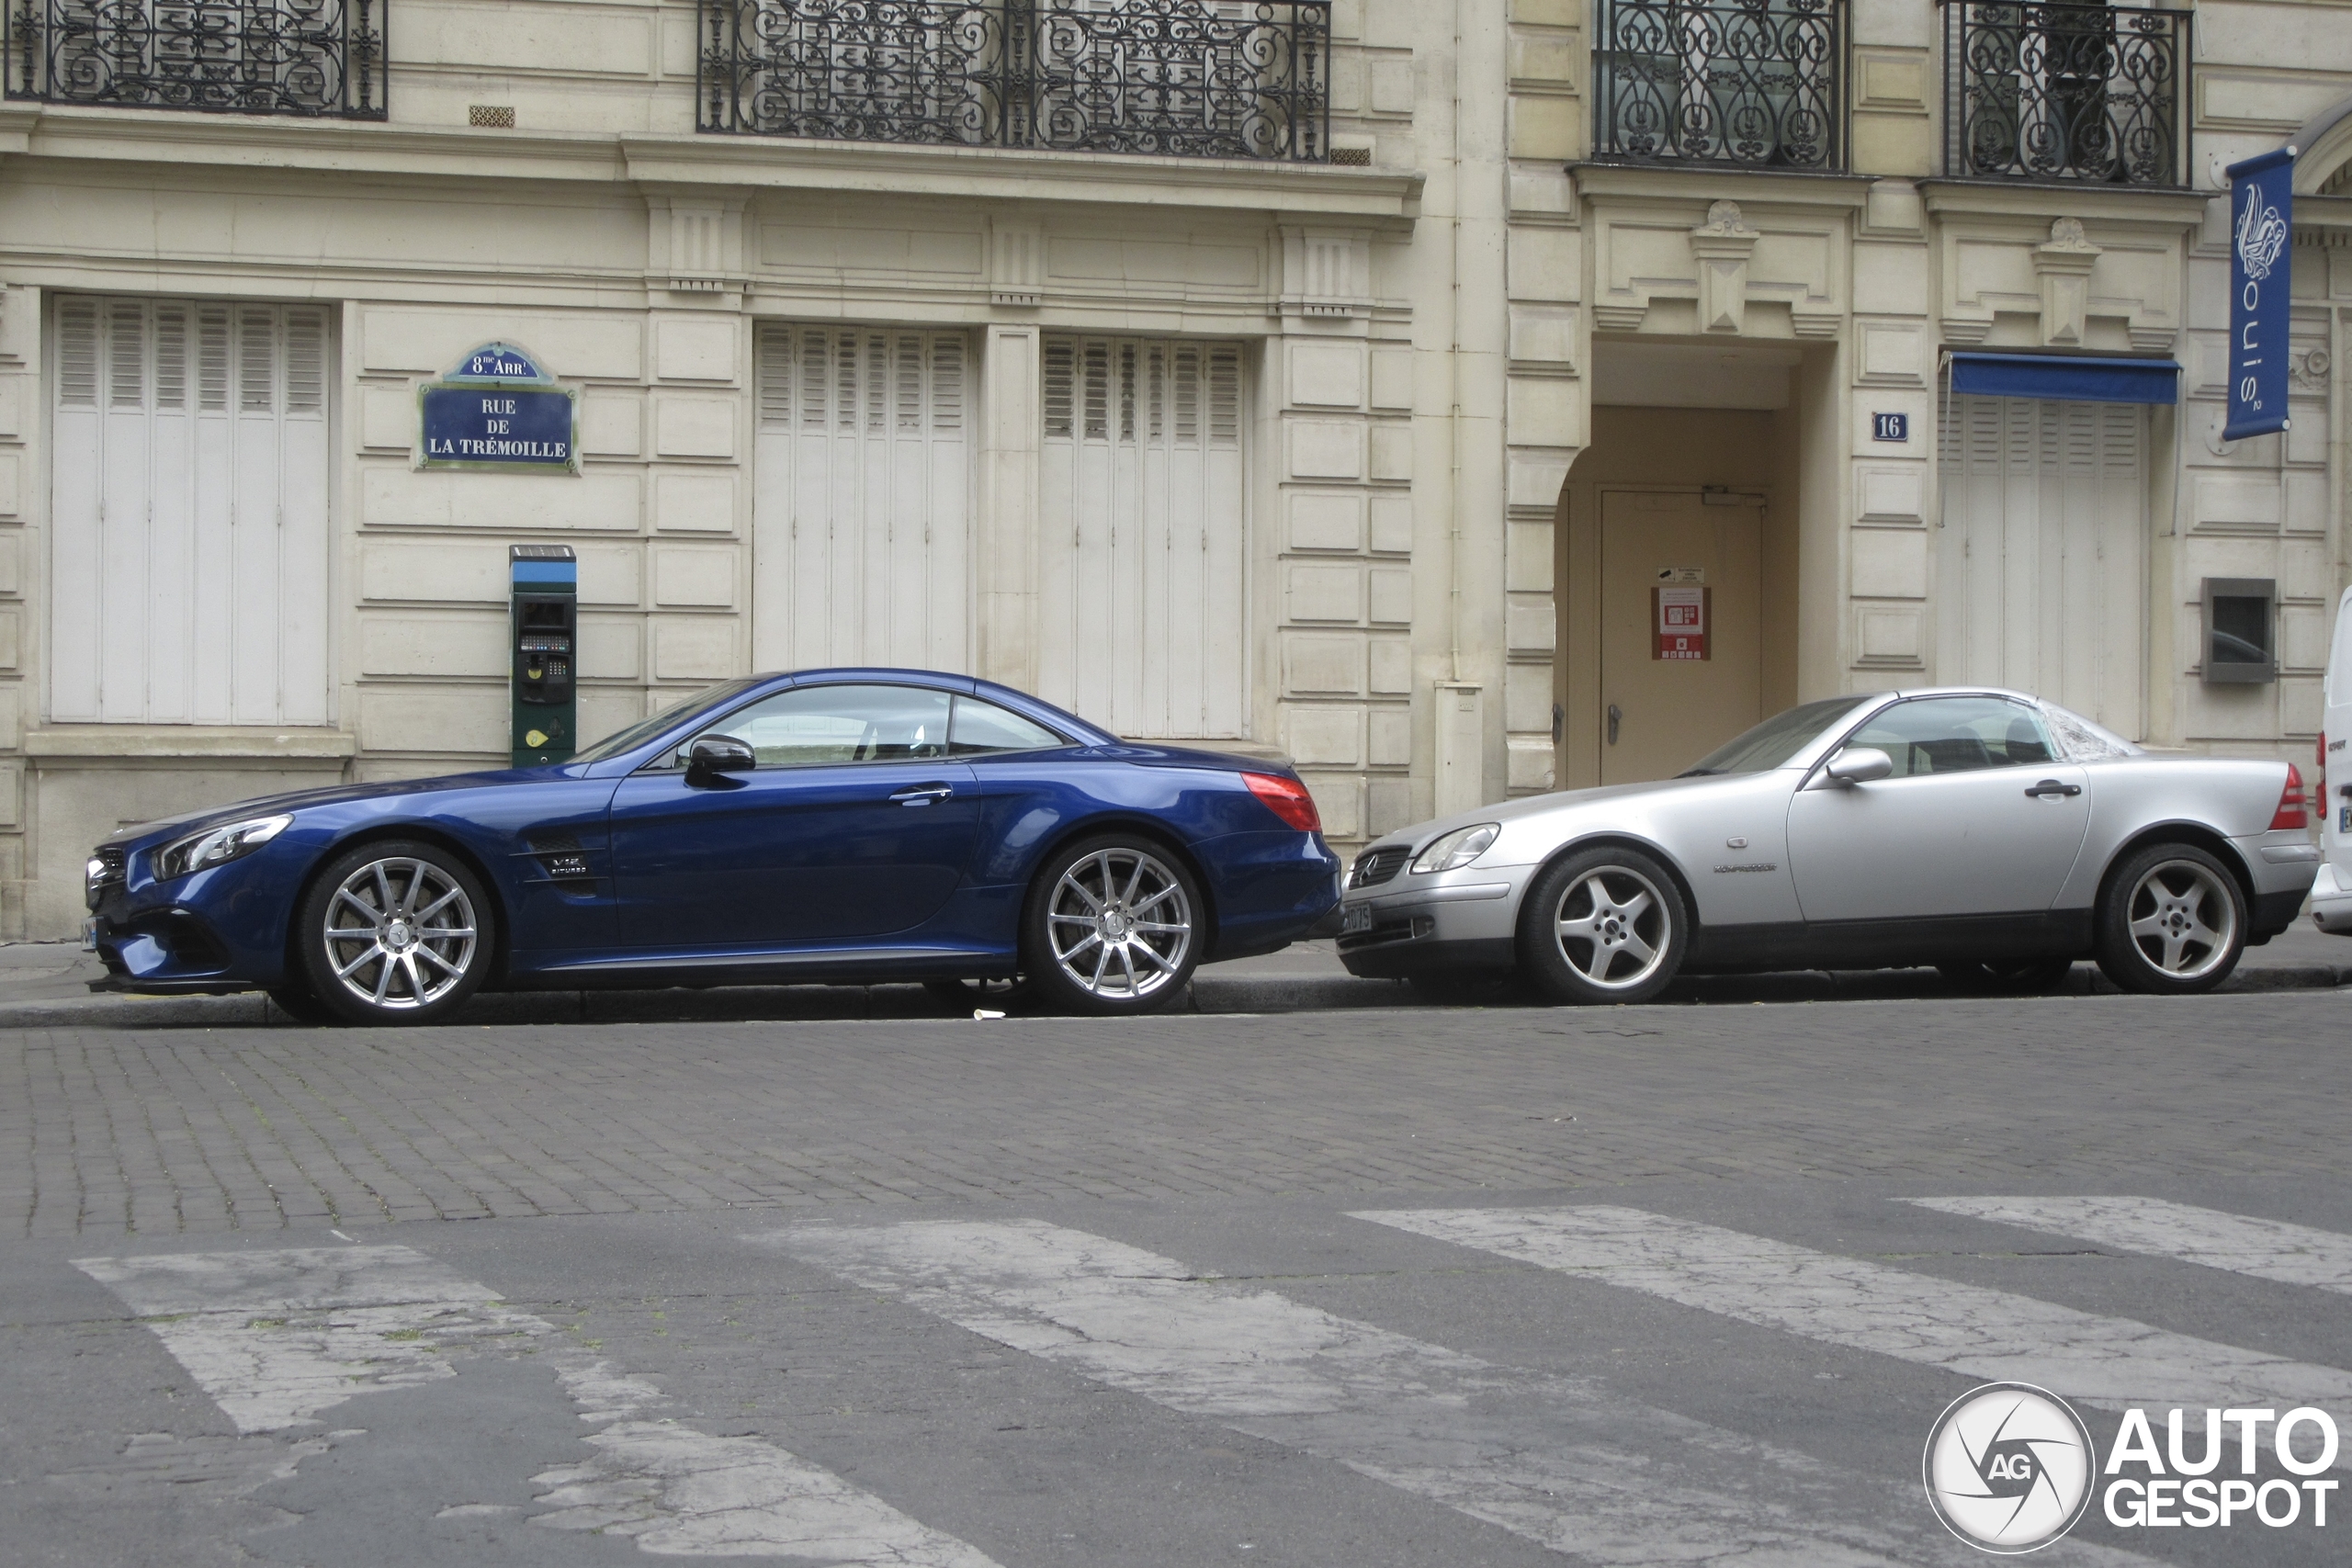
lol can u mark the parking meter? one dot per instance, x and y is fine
(546, 621)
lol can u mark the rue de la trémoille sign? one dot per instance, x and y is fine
(497, 411)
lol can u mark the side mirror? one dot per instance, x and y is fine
(1859, 764)
(713, 757)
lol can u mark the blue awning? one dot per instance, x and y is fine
(2066, 377)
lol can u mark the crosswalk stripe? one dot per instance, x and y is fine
(1556, 1460)
(278, 1337)
(1969, 1329)
(2265, 1249)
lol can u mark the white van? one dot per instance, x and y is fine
(2330, 795)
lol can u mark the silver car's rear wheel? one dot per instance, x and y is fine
(2173, 919)
(1112, 927)
(1603, 926)
(396, 932)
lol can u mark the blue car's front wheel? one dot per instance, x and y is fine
(395, 932)
(1113, 926)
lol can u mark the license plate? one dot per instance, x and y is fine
(90, 935)
(1358, 918)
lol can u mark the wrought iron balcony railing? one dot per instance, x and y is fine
(1751, 83)
(2073, 92)
(319, 58)
(1187, 78)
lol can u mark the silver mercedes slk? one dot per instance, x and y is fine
(1993, 835)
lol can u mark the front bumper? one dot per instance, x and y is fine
(219, 931)
(1415, 923)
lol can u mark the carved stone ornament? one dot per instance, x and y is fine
(2064, 265)
(1721, 246)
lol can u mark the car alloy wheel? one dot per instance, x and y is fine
(2173, 920)
(1114, 922)
(397, 934)
(1603, 926)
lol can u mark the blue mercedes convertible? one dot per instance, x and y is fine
(836, 825)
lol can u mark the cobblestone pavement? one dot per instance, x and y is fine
(1499, 1288)
(106, 1132)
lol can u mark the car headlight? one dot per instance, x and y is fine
(216, 846)
(1456, 849)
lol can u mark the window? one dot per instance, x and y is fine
(861, 486)
(2041, 569)
(982, 728)
(1143, 618)
(1957, 735)
(1775, 741)
(818, 725)
(189, 502)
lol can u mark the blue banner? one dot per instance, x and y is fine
(498, 411)
(2262, 216)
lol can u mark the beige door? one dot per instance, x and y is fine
(1665, 558)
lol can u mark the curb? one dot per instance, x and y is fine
(1210, 994)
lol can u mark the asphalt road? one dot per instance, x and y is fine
(1674, 1284)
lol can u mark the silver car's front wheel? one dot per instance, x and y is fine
(1603, 926)
(2173, 919)
(397, 932)
(1114, 922)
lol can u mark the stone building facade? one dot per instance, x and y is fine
(1358, 414)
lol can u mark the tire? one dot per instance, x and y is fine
(367, 963)
(2008, 976)
(1114, 925)
(1606, 925)
(964, 996)
(302, 1008)
(2171, 922)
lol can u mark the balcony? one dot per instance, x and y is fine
(318, 59)
(1732, 83)
(1178, 78)
(2088, 93)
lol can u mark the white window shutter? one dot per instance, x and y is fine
(189, 509)
(1143, 618)
(861, 500)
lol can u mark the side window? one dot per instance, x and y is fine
(983, 727)
(1957, 735)
(816, 725)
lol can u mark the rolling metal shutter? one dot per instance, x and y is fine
(862, 482)
(189, 509)
(1143, 613)
(2041, 580)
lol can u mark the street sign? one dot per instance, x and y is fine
(2262, 209)
(498, 411)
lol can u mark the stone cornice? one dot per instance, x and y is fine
(1385, 198)
(1753, 189)
(2100, 203)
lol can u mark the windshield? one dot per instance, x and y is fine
(1776, 739)
(645, 730)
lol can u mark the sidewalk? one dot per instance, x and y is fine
(45, 985)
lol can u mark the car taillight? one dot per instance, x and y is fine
(2290, 802)
(1286, 798)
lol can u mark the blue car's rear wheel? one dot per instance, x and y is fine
(1112, 926)
(395, 932)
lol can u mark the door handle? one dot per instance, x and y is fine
(924, 794)
(2052, 786)
(1616, 714)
